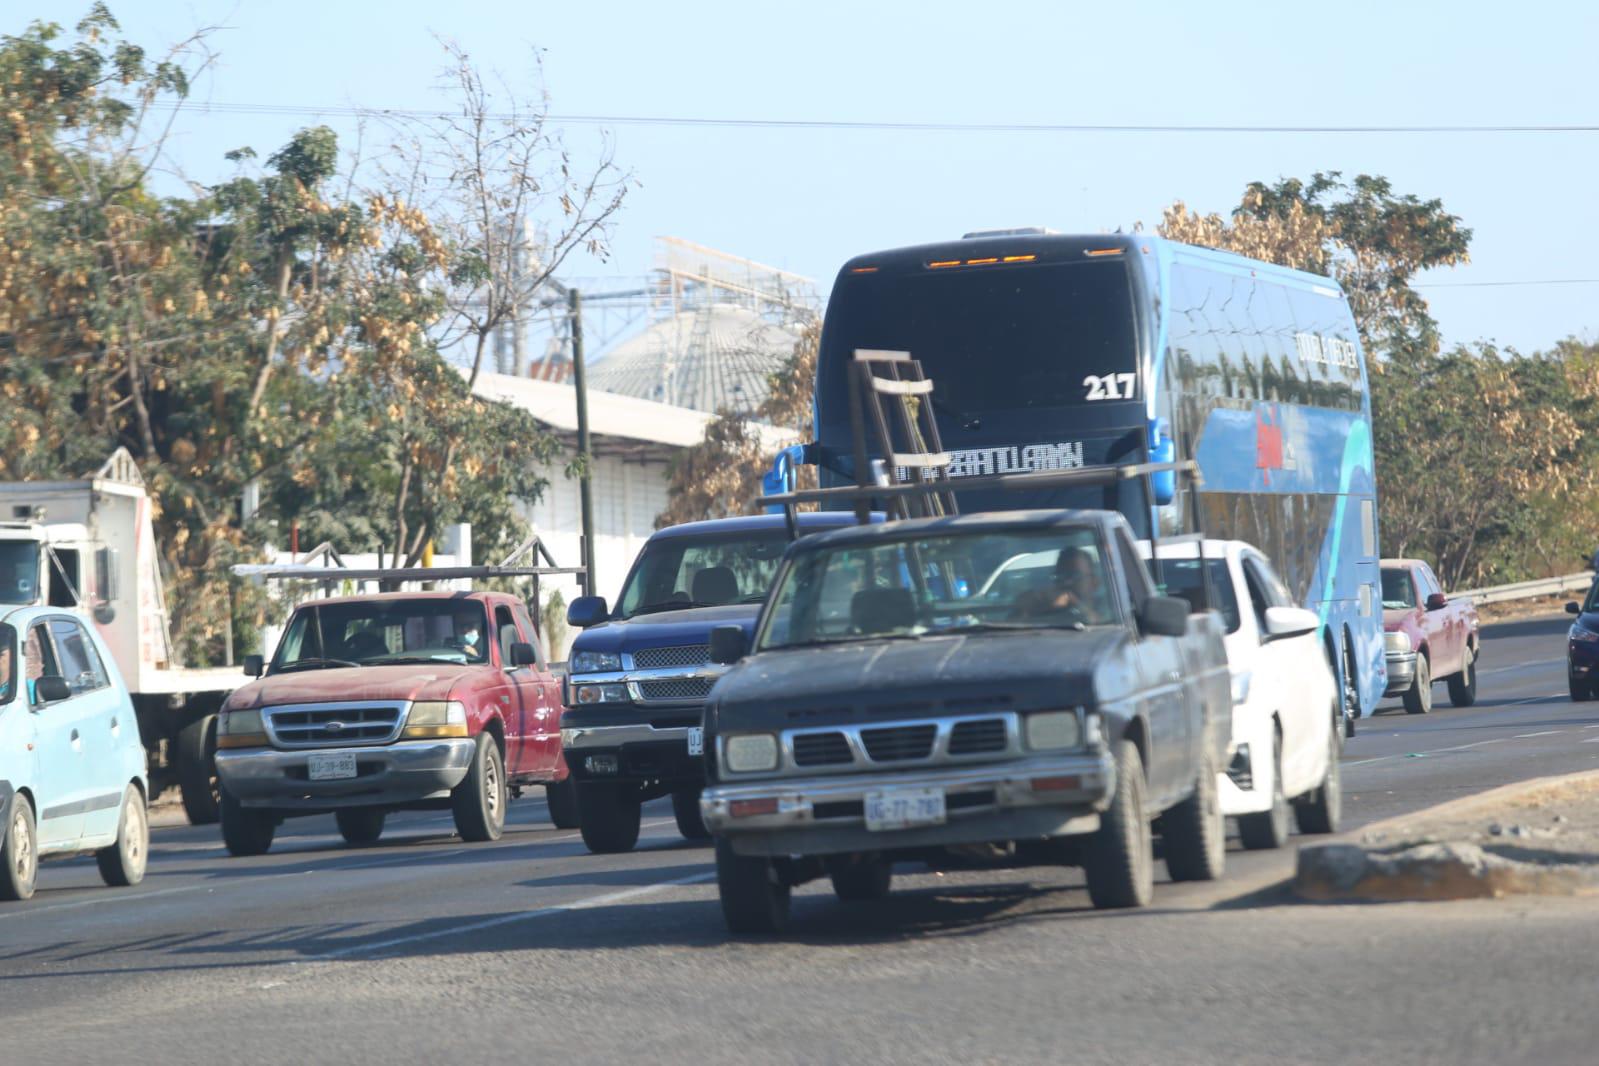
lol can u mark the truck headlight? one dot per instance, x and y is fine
(612, 692)
(1053, 730)
(750, 753)
(1397, 642)
(240, 729)
(431, 719)
(594, 662)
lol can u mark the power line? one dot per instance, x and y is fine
(914, 127)
(1503, 284)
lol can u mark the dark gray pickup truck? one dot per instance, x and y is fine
(1000, 678)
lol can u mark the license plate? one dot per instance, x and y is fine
(902, 808)
(696, 740)
(330, 767)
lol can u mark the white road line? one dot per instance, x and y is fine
(1592, 740)
(1519, 666)
(1429, 751)
(1545, 733)
(508, 919)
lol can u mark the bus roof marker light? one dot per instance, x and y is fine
(982, 262)
(1096, 252)
(863, 270)
(935, 264)
(1019, 258)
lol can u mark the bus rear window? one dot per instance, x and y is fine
(996, 339)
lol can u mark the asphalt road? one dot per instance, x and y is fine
(424, 949)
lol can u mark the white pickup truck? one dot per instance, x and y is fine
(1285, 743)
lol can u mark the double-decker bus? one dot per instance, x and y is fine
(1050, 352)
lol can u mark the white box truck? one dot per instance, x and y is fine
(90, 546)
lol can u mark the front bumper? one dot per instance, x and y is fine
(1401, 672)
(630, 751)
(984, 804)
(391, 774)
(1582, 658)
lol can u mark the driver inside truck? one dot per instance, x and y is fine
(469, 634)
(1076, 588)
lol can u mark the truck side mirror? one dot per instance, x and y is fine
(522, 655)
(728, 644)
(1437, 601)
(586, 611)
(254, 666)
(1163, 616)
(51, 689)
(1572, 608)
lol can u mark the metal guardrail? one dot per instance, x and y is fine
(1526, 590)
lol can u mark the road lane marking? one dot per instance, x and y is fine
(1519, 666)
(525, 916)
(1545, 733)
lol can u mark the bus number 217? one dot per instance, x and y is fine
(1110, 386)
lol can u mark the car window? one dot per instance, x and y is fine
(1398, 591)
(505, 633)
(1138, 583)
(1259, 599)
(80, 664)
(524, 619)
(1277, 594)
(1429, 580)
(677, 571)
(8, 664)
(1183, 578)
(38, 660)
(379, 632)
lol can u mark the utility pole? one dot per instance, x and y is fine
(574, 303)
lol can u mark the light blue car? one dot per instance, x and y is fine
(72, 771)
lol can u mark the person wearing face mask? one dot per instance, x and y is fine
(469, 635)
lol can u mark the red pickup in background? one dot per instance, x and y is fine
(1428, 637)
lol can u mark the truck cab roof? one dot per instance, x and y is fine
(809, 521)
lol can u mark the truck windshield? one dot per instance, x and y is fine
(977, 580)
(1398, 591)
(994, 338)
(673, 573)
(382, 632)
(8, 664)
(19, 571)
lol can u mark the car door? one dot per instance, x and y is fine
(1173, 743)
(1294, 664)
(508, 693)
(64, 780)
(544, 691)
(100, 715)
(1443, 636)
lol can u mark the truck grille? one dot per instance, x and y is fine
(898, 744)
(978, 736)
(660, 658)
(821, 749)
(682, 688)
(301, 727)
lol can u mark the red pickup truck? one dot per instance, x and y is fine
(1427, 636)
(371, 704)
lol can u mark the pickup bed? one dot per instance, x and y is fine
(913, 686)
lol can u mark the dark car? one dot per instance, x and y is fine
(898, 699)
(1582, 647)
(638, 674)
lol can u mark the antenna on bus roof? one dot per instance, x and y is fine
(1019, 231)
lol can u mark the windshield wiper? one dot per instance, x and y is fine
(669, 605)
(401, 660)
(313, 664)
(979, 627)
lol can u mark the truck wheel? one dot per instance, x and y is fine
(1120, 858)
(609, 816)
(1418, 698)
(561, 798)
(755, 900)
(1580, 690)
(360, 826)
(479, 800)
(1195, 833)
(19, 850)
(686, 809)
(1268, 829)
(867, 878)
(1322, 810)
(197, 770)
(246, 830)
(122, 864)
(1463, 686)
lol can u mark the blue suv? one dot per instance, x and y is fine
(639, 673)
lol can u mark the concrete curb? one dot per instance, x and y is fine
(1444, 870)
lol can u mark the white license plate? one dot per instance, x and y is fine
(330, 767)
(902, 808)
(696, 740)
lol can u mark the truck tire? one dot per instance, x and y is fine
(1580, 690)
(1195, 832)
(19, 852)
(1418, 697)
(479, 800)
(197, 770)
(122, 864)
(869, 877)
(246, 830)
(1463, 686)
(1120, 858)
(561, 798)
(360, 826)
(1268, 829)
(755, 900)
(608, 815)
(686, 809)
(1322, 810)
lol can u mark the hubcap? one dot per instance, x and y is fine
(491, 788)
(134, 836)
(22, 845)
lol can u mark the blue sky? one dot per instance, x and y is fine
(806, 200)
